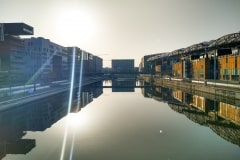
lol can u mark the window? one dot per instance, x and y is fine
(29, 43)
(226, 71)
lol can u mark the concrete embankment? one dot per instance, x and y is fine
(21, 99)
(209, 90)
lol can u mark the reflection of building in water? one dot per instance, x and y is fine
(12, 126)
(222, 118)
(182, 96)
(227, 131)
(123, 85)
(10, 138)
(213, 109)
(157, 93)
(178, 95)
(44, 113)
(97, 89)
(36, 116)
(229, 112)
(162, 94)
(203, 104)
(145, 90)
(199, 102)
(223, 128)
(22, 146)
(87, 97)
(87, 94)
(196, 101)
(216, 115)
(191, 113)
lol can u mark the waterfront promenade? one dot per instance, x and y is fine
(8, 102)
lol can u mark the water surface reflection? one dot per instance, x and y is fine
(222, 117)
(147, 123)
(38, 116)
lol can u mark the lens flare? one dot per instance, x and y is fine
(69, 104)
(80, 81)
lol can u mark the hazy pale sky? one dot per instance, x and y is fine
(126, 29)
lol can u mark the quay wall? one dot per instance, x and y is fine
(211, 91)
(9, 103)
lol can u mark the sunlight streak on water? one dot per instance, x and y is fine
(80, 81)
(69, 104)
(78, 105)
(72, 80)
(73, 144)
(64, 142)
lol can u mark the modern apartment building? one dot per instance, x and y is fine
(86, 64)
(47, 61)
(12, 60)
(12, 54)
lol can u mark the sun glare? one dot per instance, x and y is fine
(75, 27)
(77, 119)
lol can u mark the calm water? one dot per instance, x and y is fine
(116, 124)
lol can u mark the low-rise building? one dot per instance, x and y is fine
(217, 60)
(201, 68)
(229, 67)
(123, 66)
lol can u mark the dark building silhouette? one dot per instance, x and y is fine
(123, 85)
(38, 116)
(86, 64)
(12, 53)
(16, 29)
(122, 65)
(47, 61)
(38, 60)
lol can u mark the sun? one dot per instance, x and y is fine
(75, 26)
